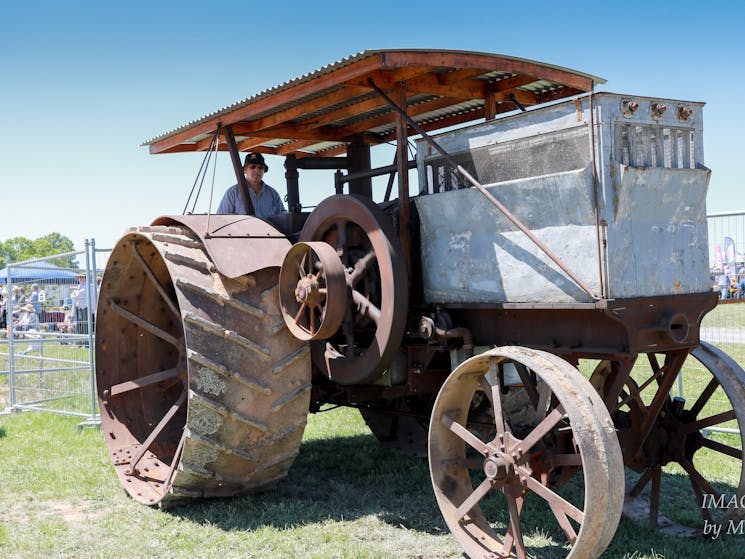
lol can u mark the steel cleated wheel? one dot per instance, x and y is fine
(504, 447)
(203, 391)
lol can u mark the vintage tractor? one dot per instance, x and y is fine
(525, 318)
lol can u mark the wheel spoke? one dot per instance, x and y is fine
(299, 314)
(515, 529)
(145, 325)
(465, 434)
(544, 393)
(723, 448)
(636, 390)
(301, 272)
(361, 267)
(704, 397)
(654, 363)
(341, 239)
(496, 397)
(176, 457)
(705, 512)
(529, 382)
(641, 483)
(697, 478)
(509, 538)
(473, 499)
(144, 381)
(158, 428)
(555, 501)
(154, 280)
(708, 421)
(540, 430)
(654, 497)
(365, 307)
(563, 520)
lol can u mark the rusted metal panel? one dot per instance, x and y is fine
(570, 173)
(225, 236)
(658, 239)
(471, 253)
(642, 325)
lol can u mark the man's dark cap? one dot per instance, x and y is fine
(255, 159)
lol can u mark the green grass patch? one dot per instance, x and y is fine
(345, 497)
(729, 315)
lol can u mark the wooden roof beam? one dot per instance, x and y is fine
(411, 110)
(360, 68)
(455, 59)
(296, 132)
(332, 98)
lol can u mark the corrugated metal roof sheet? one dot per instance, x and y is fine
(324, 110)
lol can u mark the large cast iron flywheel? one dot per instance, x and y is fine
(371, 303)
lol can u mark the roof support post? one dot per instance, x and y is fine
(402, 159)
(358, 159)
(490, 102)
(292, 178)
(238, 168)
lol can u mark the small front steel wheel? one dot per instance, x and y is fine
(513, 422)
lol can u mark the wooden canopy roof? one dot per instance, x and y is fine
(320, 113)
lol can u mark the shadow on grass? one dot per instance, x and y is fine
(342, 478)
(347, 478)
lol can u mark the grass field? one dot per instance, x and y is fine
(345, 497)
(731, 315)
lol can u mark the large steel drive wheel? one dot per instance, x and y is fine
(202, 390)
(503, 449)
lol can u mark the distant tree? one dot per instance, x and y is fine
(21, 248)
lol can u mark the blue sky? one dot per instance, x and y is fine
(84, 83)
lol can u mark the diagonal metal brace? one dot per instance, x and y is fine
(489, 196)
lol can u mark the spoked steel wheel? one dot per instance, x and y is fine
(694, 450)
(202, 390)
(312, 291)
(500, 445)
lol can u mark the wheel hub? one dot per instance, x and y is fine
(307, 291)
(670, 440)
(498, 466)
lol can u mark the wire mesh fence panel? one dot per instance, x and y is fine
(725, 325)
(52, 373)
(46, 343)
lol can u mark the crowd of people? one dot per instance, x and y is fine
(730, 283)
(28, 317)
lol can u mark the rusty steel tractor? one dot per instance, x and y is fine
(521, 301)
